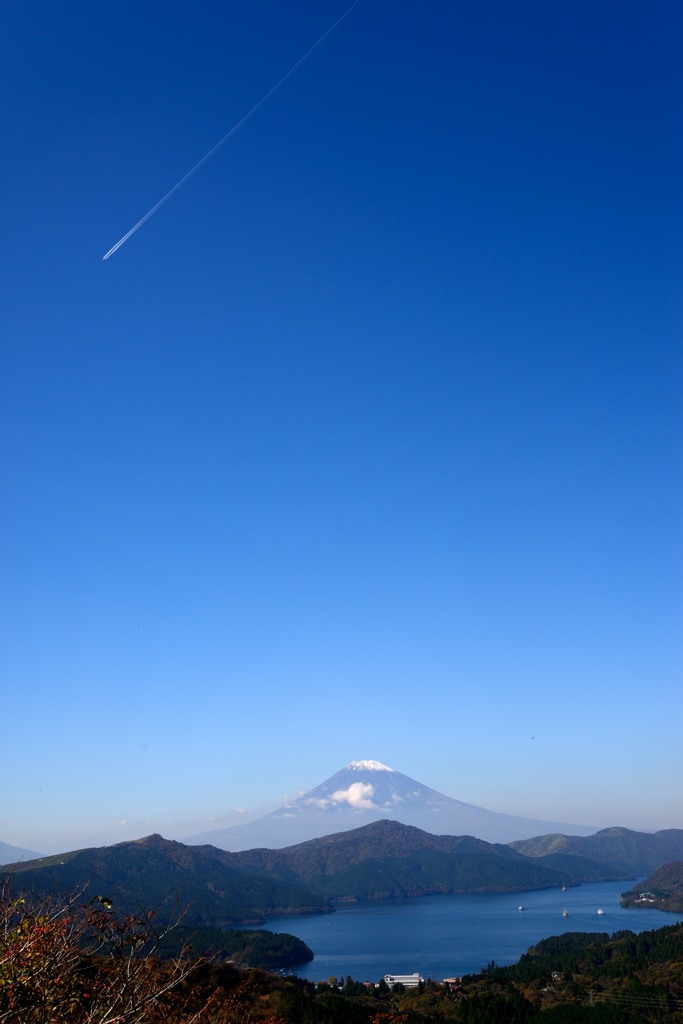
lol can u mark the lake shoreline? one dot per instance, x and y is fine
(444, 935)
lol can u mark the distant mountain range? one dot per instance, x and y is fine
(367, 791)
(159, 874)
(387, 859)
(12, 854)
(376, 861)
(621, 850)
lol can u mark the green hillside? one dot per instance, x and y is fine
(162, 875)
(262, 948)
(380, 860)
(624, 851)
(663, 890)
(576, 868)
(388, 859)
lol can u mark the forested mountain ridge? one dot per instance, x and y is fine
(381, 860)
(622, 850)
(388, 859)
(161, 874)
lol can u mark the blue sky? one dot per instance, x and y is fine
(368, 443)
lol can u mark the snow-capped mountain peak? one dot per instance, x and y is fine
(368, 766)
(366, 791)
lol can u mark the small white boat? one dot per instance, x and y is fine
(600, 910)
(565, 912)
(520, 907)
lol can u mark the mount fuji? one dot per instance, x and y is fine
(366, 791)
(14, 854)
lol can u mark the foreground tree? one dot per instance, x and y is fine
(65, 961)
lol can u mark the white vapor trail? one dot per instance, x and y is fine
(233, 130)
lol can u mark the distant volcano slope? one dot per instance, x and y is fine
(14, 854)
(367, 791)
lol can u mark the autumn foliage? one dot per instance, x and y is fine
(77, 962)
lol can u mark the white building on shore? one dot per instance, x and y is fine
(407, 980)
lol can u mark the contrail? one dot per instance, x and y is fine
(233, 130)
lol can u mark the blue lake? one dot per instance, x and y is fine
(441, 936)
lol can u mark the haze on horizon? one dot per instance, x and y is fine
(363, 799)
(369, 444)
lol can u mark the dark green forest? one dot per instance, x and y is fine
(162, 875)
(382, 860)
(249, 948)
(663, 889)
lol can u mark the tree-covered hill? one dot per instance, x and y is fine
(388, 859)
(663, 890)
(639, 976)
(623, 851)
(578, 869)
(383, 859)
(379, 860)
(159, 874)
(249, 948)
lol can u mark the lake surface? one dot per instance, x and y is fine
(441, 936)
